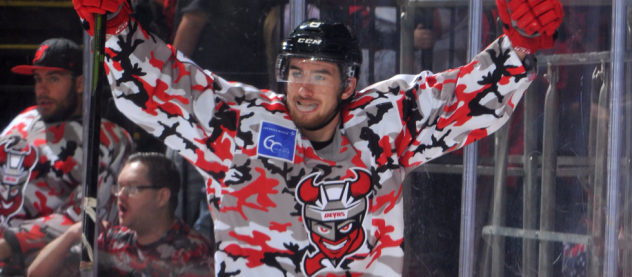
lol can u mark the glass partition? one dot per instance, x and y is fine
(552, 188)
(542, 192)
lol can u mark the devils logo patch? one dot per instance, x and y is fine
(333, 213)
(40, 52)
(17, 160)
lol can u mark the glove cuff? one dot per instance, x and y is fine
(529, 45)
(116, 21)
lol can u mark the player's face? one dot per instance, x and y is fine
(133, 210)
(313, 91)
(57, 94)
(335, 231)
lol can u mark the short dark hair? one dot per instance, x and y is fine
(162, 173)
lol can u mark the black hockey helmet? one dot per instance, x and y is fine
(324, 41)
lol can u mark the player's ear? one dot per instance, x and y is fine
(348, 91)
(79, 84)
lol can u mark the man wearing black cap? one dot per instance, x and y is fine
(41, 154)
(57, 70)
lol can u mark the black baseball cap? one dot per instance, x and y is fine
(55, 54)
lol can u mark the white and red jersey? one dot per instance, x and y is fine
(281, 208)
(41, 196)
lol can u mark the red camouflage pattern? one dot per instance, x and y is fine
(53, 194)
(389, 128)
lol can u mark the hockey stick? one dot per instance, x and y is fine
(92, 132)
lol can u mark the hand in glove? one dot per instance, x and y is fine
(117, 19)
(531, 25)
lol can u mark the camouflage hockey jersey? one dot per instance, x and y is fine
(41, 179)
(279, 207)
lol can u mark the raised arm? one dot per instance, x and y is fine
(157, 87)
(439, 113)
(486, 91)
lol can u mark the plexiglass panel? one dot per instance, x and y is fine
(544, 215)
(545, 182)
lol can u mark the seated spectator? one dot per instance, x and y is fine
(233, 28)
(157, 16)
(41, 159)
(150, 240)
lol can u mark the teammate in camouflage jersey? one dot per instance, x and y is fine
(308, 182)
(41, 194)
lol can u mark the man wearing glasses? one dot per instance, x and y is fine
(149, 241)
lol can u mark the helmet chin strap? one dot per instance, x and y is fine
(331, 118)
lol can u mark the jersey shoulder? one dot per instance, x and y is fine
(22, 120)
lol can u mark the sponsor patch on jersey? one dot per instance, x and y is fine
(276, 141)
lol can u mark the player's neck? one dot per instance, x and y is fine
(159, 227)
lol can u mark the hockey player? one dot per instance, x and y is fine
(41, 169)
(309, 182)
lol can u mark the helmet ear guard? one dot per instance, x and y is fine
(351, 71)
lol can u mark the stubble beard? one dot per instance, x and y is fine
(302, 122)
(64, 109)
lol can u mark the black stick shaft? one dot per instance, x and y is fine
(92, 132)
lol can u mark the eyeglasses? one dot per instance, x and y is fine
(129, 190)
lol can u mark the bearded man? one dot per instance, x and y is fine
(41, 170)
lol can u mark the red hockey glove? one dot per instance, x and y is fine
(117, 19)
(530, 24)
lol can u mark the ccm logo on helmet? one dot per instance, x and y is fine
(310, 41)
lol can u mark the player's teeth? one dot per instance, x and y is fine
(305, 107)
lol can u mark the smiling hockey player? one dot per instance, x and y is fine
(308, 182)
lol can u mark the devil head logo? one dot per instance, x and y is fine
(333, 213)
(17, 159)
(40, 52)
